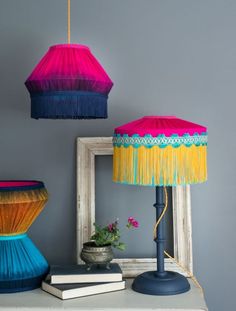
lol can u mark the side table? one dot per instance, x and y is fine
(125, 300)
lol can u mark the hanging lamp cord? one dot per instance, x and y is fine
(68, 21)
(189, 274)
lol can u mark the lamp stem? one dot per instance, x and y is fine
(160, 282)
(160, 240)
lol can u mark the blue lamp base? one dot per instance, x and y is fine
(161, 284)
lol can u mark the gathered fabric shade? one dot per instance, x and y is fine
(22, 266)
(69, 83)
(160, 151)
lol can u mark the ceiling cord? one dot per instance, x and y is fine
(68, 21)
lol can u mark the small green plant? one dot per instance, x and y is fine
(110, 234)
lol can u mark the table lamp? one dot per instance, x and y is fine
(22, 266)
(160, 151)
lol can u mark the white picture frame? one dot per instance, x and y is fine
(87, 149)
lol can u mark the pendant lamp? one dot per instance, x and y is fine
(160, 151)
(69, 83)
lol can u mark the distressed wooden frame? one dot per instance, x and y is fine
(87, 150)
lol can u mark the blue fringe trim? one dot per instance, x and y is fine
(22, 266)
(12, 237)
(68, 105)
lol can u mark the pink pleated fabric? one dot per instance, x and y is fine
(159, 125)
(69, 67)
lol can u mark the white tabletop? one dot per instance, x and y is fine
(122, 300)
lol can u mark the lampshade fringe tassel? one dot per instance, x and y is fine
(69, 105)
(160, 166)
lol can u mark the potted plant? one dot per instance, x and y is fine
(99, 249)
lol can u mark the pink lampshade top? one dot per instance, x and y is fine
(69, 67)
(158, 125)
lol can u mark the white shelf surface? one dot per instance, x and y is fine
(128, 300)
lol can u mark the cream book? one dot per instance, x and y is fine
(68, 291)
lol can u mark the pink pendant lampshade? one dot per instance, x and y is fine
(69, 83)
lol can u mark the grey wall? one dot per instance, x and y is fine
(165, 57)
(122, 201)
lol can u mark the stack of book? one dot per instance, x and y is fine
(75, 281)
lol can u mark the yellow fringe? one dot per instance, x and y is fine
(160, 166)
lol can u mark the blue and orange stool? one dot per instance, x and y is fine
(22, 266)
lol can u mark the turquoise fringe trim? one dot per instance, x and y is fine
(161, 140)
(12, 237)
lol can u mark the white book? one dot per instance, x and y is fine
(68, 291)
